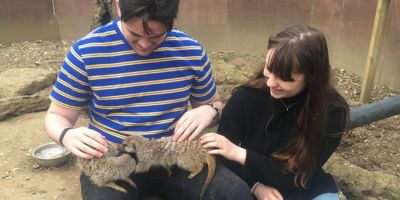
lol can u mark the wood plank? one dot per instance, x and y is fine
(374, 50)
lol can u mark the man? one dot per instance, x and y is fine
(104, 12)
(137, 75)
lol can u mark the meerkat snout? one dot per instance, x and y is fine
(122, 148)
(125, 148)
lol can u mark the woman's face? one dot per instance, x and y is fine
(283, 89)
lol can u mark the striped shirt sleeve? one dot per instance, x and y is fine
(204, 87)
(71, 88)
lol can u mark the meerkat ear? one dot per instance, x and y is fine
(129, 148)
(121, 148)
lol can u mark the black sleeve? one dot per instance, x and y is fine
(232, 126)
(336, 125)
(232, 121)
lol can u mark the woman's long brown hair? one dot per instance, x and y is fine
(302, 49)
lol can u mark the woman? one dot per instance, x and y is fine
(279, 129)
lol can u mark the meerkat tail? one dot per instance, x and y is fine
(116, 187)
(211, 172)
(195, 171)
(130, 182)
(169, 171)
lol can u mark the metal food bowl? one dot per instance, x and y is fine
(51, 155)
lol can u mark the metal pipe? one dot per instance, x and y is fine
(372, 112)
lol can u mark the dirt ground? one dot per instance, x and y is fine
(373, 147)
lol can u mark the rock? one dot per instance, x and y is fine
(227, 74)
(17, 105)
(360, 183)
(7, 177)
(24, 90)
(35, 166)
(25, 81)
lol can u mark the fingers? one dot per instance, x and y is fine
(274, 195)
(192, 123)
(180, 127)
(212, 143)
(209, 137)
(95, 140)
(183, 129)
(86, 151)
(215, 152)
(219, 144)
(209, 142)
(188, 130)
(85, 143)
(197, 132)
(277, 195)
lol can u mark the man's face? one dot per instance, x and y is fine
(144, 44)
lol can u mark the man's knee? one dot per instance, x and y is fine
(106, 193)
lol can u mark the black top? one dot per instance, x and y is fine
(261, 124)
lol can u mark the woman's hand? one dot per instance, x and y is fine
(264, 192)
(193, 122)
(85, 143)
(220, 145)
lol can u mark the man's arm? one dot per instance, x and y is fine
(81, 141)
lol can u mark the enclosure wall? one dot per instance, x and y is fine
(231, 25)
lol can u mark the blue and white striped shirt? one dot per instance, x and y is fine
(131, 94)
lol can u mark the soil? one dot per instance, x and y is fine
(373, 147)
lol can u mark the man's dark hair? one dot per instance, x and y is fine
(164, 11)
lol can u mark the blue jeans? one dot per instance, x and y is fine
(225, 185)
(327, 196)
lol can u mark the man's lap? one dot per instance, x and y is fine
(156, 182)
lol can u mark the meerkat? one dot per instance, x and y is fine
(188, 155)
(114, 165)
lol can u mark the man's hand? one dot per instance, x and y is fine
(85, 143)
(193, 122)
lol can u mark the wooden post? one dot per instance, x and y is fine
(374, 48)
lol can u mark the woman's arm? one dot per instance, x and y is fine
(336, 125)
